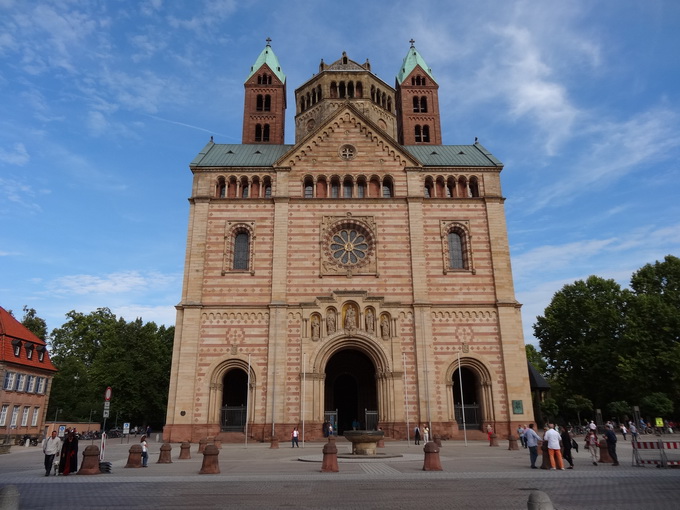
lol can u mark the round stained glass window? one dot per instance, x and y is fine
(349, 246)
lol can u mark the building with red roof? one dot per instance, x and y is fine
(26, 373)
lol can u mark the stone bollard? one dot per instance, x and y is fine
(380, 443)
(9, 497)
(202, 443)
(274, 442)
(90, 464)
(135, 456)
(493, 440)
(539, 500)
(218, 443)
(545, 456)
(164, 457)
(211, 463)
(512, 442)
(438, 440)
(185, 451)
(432, 462)
(330, 457)
(605, 458)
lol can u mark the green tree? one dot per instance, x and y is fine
(650, 358)
(579, 334)
(657, 405)
(98, 350)
(549, 409)
(34, 324)
(620, 409)
(534, 357)
(577, 404)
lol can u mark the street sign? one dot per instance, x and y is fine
(107, 394)
(107, 405)
(126, 428)
(105, 414)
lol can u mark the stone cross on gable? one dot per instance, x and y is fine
(413, 42)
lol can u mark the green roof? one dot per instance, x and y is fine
(264, 155)
(267, 57)
(453, 155)
(411, 60)
(239, 155)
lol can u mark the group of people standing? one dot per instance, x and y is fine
(61, 456)
(560, 444)
(425, 434)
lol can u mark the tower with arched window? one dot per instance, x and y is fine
(360, 274)
(265, 100)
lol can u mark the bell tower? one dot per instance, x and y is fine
(264, 110)
(418, 121)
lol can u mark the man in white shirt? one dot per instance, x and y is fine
(51, 447)
(553, 439)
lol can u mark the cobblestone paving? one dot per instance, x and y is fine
(256, 476)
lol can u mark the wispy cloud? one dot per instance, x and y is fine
(17, 155)
(126, 282)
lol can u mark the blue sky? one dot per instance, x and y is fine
(103, 104)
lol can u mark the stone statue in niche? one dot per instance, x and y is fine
(350, 318)
(370, 321)
(385, 327)
(316, 328)
(330, 322)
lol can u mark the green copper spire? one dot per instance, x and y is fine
(267, 57)
(411, 60)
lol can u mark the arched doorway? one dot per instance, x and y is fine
(471, 398)
(234, 400)
(350, 391)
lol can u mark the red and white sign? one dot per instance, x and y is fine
(107, 394)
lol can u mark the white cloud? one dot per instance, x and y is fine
(126, 282)
(17, 155)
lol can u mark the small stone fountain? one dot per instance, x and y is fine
(364, 442)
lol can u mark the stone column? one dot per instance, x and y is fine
(164, 457)
(90, 464)
(211, 464)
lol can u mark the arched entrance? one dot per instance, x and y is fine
(471, 398)
(350, 390)
(234, 400)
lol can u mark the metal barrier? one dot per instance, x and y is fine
(661, 453)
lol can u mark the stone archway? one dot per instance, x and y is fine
(351, 389)
(233, 414)
(471, 394)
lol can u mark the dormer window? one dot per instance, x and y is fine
(29, 350)
(41, 353)
(16, 345)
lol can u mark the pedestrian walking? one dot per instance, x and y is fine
(68, 460)
(295, 435)
(633, 432)
(426, 435)
(531, 439)
(416, 435)
(520, 434)
(145, 451)
(624, 431)
(51, 447)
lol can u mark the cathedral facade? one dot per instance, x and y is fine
(360, 276)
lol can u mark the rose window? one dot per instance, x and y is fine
(349, 246)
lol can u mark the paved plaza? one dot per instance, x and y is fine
(257, 476)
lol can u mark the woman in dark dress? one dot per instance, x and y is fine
(68, 462)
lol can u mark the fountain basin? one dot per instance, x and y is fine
(364, 442)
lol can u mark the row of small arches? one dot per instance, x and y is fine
(348, 187)
(243, 187)
(451, 187)
(347, 90)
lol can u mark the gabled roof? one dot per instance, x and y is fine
(11, 331)
(267, 57)
(411, 60)
(536, 380)
(237, 155)
(453, 155)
